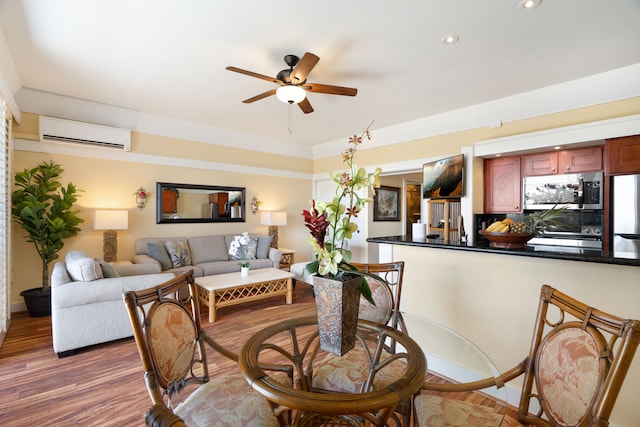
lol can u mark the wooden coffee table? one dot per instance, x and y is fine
(222, 290)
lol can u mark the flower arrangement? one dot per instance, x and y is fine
(330, 223)
(255, 205)
(141, 197)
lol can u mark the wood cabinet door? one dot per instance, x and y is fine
(622, 155)
(169, 201)
(502, 185)
(541, 164)
(581, 160)
(222, 199)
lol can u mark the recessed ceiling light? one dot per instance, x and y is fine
(529, 4)
(450, 38)
(557, 147)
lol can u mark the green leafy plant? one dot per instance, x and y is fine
(539, 222)
(44, 209)
(330, 223)
(244, 264)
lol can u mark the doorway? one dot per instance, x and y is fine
(413, 201)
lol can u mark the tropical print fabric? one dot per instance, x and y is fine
(348, 373)
(173, 336)
(221, 402)
(226, 402)
(569, 374)
(436, 411)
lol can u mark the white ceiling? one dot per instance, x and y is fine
(168, 57)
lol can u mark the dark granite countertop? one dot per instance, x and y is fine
(484, 247)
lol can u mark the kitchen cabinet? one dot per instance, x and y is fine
(540, 164)
(586, 159)
(622, 155)
(169, 201)
(222, 200)
(502, 185)
(576, 160)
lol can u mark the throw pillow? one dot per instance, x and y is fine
(264, 243)
(159, 253)
(108, 270)
(81, 268)
(178, 253)
(243, 247)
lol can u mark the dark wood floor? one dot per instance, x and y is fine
(103, 385)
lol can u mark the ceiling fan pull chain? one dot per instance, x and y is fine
(289, 127)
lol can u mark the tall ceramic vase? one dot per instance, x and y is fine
(337, 303)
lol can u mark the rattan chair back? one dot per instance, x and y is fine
(578, 360)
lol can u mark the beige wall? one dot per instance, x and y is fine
(492, 299)
(109, 183)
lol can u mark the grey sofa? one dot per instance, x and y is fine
(205, 255)
(87, 307)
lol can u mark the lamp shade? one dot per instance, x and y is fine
(110, 219)
(291, 94)
(273, 218)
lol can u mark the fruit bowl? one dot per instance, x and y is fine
(507, 240)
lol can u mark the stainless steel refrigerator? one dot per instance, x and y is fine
(626, 216)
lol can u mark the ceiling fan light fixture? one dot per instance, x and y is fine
(291, 94)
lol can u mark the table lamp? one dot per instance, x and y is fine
(110, 220)
(273, 220)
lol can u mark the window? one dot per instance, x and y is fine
(5, 217)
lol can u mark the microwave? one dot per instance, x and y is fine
(575, 191)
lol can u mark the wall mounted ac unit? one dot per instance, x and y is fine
(88, 134)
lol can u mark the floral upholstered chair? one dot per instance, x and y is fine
(347, 373)
(578, 360)
(171, 343)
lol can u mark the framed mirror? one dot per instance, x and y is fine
(192, 203)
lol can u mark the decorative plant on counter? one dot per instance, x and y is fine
(330, 223)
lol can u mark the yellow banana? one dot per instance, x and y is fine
(494, 227)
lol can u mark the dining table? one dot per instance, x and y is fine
(429, 352)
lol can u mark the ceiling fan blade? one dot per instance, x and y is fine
(304, 67)
(252, 74)
(305, 106)
(260, 96)
(330, 89)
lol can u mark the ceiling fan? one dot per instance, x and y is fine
(293, 82)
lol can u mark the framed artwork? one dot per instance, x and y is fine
(386, 204)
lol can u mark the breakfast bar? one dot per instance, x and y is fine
(490, 295)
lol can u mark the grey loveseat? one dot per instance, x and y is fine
(86, 300)
(205, 255)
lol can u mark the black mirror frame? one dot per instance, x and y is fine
(161, 220)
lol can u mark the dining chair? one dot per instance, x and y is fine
(171, 342)
(159, 415)
(347, 373)
(577, 362)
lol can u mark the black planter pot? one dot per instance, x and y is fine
(38, 301)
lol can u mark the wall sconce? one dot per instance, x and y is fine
(273, 220)
(255, 205)
(110, 220)
(141, 197)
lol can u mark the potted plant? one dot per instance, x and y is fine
(334, 278)
(244, 268)
(43, 208)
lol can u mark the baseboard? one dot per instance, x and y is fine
(18, 307)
